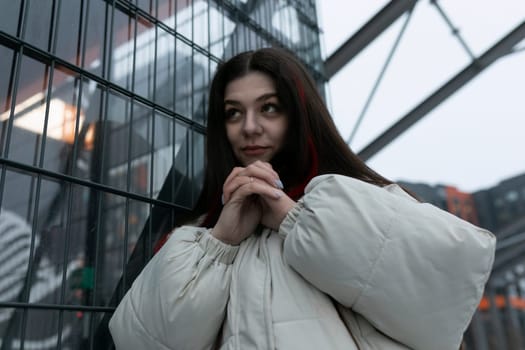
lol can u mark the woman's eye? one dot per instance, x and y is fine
(232, 113)
(270, 108)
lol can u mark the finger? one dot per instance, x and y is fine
(257, 187)
(233, 174)
(230, 187)
(261, 171)
(264, 165)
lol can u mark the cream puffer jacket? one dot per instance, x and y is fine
(353, 266)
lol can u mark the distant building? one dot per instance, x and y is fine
(500, 208)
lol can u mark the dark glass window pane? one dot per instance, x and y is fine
(32, 246)
(48, 329)
(38, 23)
(9, 16)
(6, 85)
(48, 264)
(198, 164)
(137, 216)
(183, 165)
(145, 59)
(29, 116)
(141, 145)
(165, 68)
(201, 80)
(129, 222)
(17, 194)
(64, 120)
(12, 328)
(147, 5)
(95, 32)
(164, 152)
(15, 249)
(114, 224)
(68, 43)
(183, 80)
(84, 157)
(123, 50)
(115, 158)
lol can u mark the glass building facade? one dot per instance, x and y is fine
(102, 133)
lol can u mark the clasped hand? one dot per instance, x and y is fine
(251, 195)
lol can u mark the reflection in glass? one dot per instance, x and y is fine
(9, 17)
(201, 23)
(201, 79)
(15, 249)
(183, 80)
(183, 22)
(118, 142)
(80, 157)
(166, 65)
(38, 23)
(140, 162)
(29, 113)
(64, 119)
(123, 49)
(6, 84)
(94, 31)
(33, 254)
(181, 181)
(68, 33)
(146, 46)
(164, 151)
(285, 21)
(115, 138)
(198, 164)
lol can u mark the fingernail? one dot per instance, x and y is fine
(279, 184)
(278, 194)
(222, 199)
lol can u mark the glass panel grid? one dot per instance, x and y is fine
(115, 95)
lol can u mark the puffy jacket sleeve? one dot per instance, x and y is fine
(179, 299)
(416, 272)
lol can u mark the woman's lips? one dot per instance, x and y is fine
(254, 150)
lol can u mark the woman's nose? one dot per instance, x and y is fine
(251, 124)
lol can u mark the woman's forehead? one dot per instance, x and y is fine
(249, 87)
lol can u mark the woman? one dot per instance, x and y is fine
(298, 244)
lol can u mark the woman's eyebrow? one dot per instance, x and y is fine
(231, 102)
(266, 96)
(263, 97)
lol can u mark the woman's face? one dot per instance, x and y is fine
(255, 121)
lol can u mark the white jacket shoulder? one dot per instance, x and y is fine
(412, 270)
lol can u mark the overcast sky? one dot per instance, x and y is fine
(474, 139)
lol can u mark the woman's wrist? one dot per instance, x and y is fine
(223, 238)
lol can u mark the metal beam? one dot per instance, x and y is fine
(507, 259)
(509, 253)
(365, 35)
(510, 230)
(510, 241)
(501, 48)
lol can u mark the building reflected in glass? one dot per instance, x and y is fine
(102, 132)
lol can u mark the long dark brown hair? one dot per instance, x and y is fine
(313, 146)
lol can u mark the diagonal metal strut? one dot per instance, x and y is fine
(364, 36)
(501, 48)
